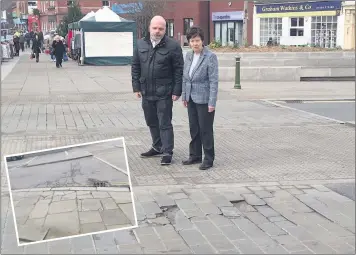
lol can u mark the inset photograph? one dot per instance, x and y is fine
(70, 191)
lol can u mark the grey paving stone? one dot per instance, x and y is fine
(220, 201)
(295, 191)
(65, 223)
(256, 218)
(267, 211)
(178, 195)
(285, 224)
(92, 227)
(91, 205)
(230, 195)
(255, 188)
(39, 211)
(198, 197)
(192, 237)
(318, 247)
(186, 204)
(220, 221)
(272, 188)
(207, 228)
(32, 233)
(244, 207)
(232, 232)
(167, 233)
(274, 249)
(276, 219)
(159, 220)
(151, 208)
(209, 208)
(246, 246)
(9, 244)
(252, 199)
(151, 242)
(164, 200)
(181, 222)
(107, 250)
(300, 186)
(130, 249)
(60, 247)
(62, 207)
(81, 243)
(128, 211)
(114, 217)
(272, 229)
(40, 248)
(263, 193)
(203, 249)
(290, 243)
(90, 217)
(230, 211)
(121, 197)
(220, 242)
(176, 246)
(142, 231)
(103, 240)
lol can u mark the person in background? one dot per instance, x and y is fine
(36, 47)
(40, 35)
(58, 50)
(16, 45)
(28, 40)
(199, 95)
(22, 42)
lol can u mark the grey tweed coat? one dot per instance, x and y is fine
(202, 87)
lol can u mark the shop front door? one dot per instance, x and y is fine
(228, 33)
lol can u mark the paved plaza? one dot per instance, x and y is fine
(274, 187)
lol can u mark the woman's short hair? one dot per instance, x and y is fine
(195, 32)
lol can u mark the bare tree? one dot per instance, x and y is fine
(143, 11)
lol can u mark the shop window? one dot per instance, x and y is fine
(296, 26)
(106, 3)
(270, 30)
(170, 27)
(323, 31)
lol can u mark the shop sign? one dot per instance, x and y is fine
(299, 7)
(227, 16)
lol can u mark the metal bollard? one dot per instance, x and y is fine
(237, 73)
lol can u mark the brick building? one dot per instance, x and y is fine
(221, 20)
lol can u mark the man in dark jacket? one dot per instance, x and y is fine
(157, 70)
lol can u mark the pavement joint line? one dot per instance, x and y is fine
(61, 160)
(117, 168)
(245, 184)
(298, 110)
(108, 189)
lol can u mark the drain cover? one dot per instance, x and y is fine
(98, 183)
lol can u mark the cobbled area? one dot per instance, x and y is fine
(288, 219)
(45, 214)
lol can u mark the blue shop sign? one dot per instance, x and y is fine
(299, 7)
(227, 16)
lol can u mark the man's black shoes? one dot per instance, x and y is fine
(192, 161)
(151, 153)
(166, 160)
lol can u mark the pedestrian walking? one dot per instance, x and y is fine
(16, 41)
(22, 42)
(199, 95)
(59, 50)
(156, 70)
(28, 40)
(36, 47)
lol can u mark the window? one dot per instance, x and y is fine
(70, 3)
(323, 31)
(187, 24)
(296, 26)
(106, 3)
(270, 29)
(170, 28)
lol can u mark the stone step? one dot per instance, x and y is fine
(251, 62)
(283, 73)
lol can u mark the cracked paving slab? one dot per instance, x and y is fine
(188, 220)
(44, 214)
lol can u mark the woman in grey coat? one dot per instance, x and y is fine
(199, 95)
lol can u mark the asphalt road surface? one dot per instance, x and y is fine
(339, 110)
(345, 189)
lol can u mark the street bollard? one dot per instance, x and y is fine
(237, 73)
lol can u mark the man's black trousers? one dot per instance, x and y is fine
(158, 116)
(201, 131)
